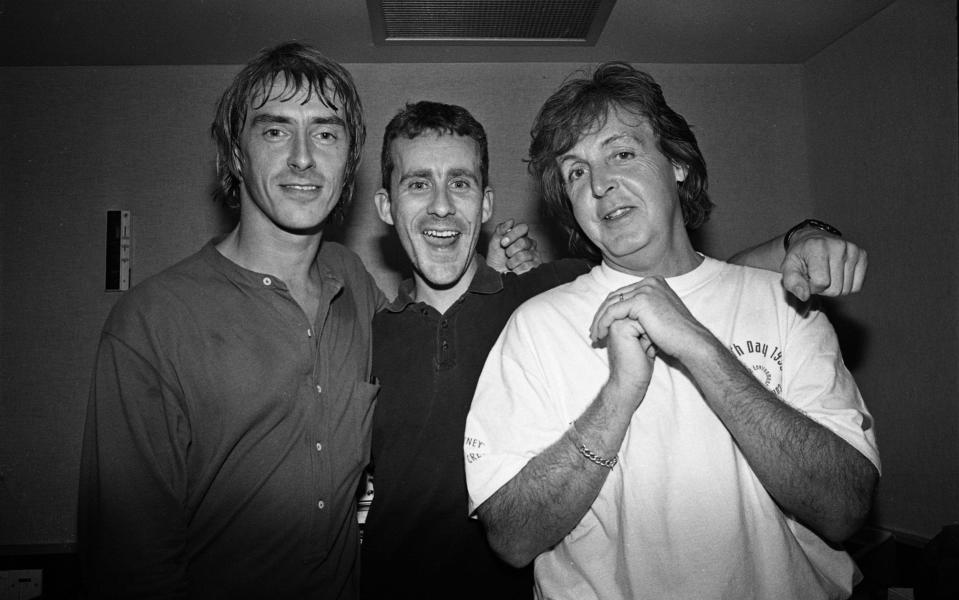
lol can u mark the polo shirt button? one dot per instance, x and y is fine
(444, 324)
(267, 281)
(321, 505)
(319, 446)
(319, 389)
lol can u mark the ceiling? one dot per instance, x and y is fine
(196, 32)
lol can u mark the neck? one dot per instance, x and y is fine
(442, 298)
(676, 257)
(289, 256)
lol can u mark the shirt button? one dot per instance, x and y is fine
(319, 389)
(319, 446)
(321, 505)
(444, 324)
(267, 281)
(309, 333)
(445, 345)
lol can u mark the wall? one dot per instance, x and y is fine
(77, 142)
(882, 114)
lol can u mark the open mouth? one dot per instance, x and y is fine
(441, 237)
(300, 187)
(619, 213)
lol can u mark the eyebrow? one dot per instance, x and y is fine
(606, 142)
(271, 118)
(428, 174)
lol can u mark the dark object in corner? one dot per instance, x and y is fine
(938, 569)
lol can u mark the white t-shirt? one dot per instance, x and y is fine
(682, 515)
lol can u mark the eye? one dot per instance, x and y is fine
(625, 154)
(417, 186)
(327, 136)
(574, 174)
(460, 184)
(274, 133)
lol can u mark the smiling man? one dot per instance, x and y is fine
(429, 346)
(667, 425)
(229, 414)
(431, 342)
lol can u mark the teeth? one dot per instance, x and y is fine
(616, 214)
(440, 234)
(302, 187)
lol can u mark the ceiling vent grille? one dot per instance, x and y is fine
(484, 22)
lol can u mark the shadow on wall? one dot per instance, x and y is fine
(853, 334)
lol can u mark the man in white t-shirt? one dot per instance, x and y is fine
(667, 425)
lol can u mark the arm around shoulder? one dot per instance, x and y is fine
(813, 258)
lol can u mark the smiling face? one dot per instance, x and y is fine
(624, 196)
(293, 154)
(437, 202)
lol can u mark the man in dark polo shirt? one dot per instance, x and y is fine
(430, 344)
(229, 413)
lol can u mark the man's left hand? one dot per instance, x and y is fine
(663, 318)
(821, 263)
(512, 249)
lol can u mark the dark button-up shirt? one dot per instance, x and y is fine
(226, 432)
(419, 540)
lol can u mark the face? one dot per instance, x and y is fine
(438, 204)
(292, 159)
(624, 194)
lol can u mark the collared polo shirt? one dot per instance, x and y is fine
(419, 540)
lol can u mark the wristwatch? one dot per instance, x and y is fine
(820, 225)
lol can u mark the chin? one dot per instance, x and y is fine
(445, 278)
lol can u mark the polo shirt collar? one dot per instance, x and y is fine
(486, 280)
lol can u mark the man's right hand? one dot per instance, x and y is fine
(631, 356)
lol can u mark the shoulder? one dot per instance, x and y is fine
(564, 302)
(547, 276)
(748, 278)
(347, 266)
(341, 259)
(180, 280)
(162, 298)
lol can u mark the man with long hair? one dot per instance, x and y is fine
(229, 415)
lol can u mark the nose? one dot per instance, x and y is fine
(301, 155)
(440, 205)
(600, 181)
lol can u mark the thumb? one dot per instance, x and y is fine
(796, 284)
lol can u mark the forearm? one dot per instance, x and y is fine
(544, 501)
(812, 473)
(767, 255)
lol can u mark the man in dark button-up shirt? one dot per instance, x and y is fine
(230, 412)
(430, 345)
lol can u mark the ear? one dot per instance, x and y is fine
(382, 201)
(680, 171)
(487, 203)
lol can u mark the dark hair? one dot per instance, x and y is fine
(432, 117)
(303, 68)
(580, 106)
